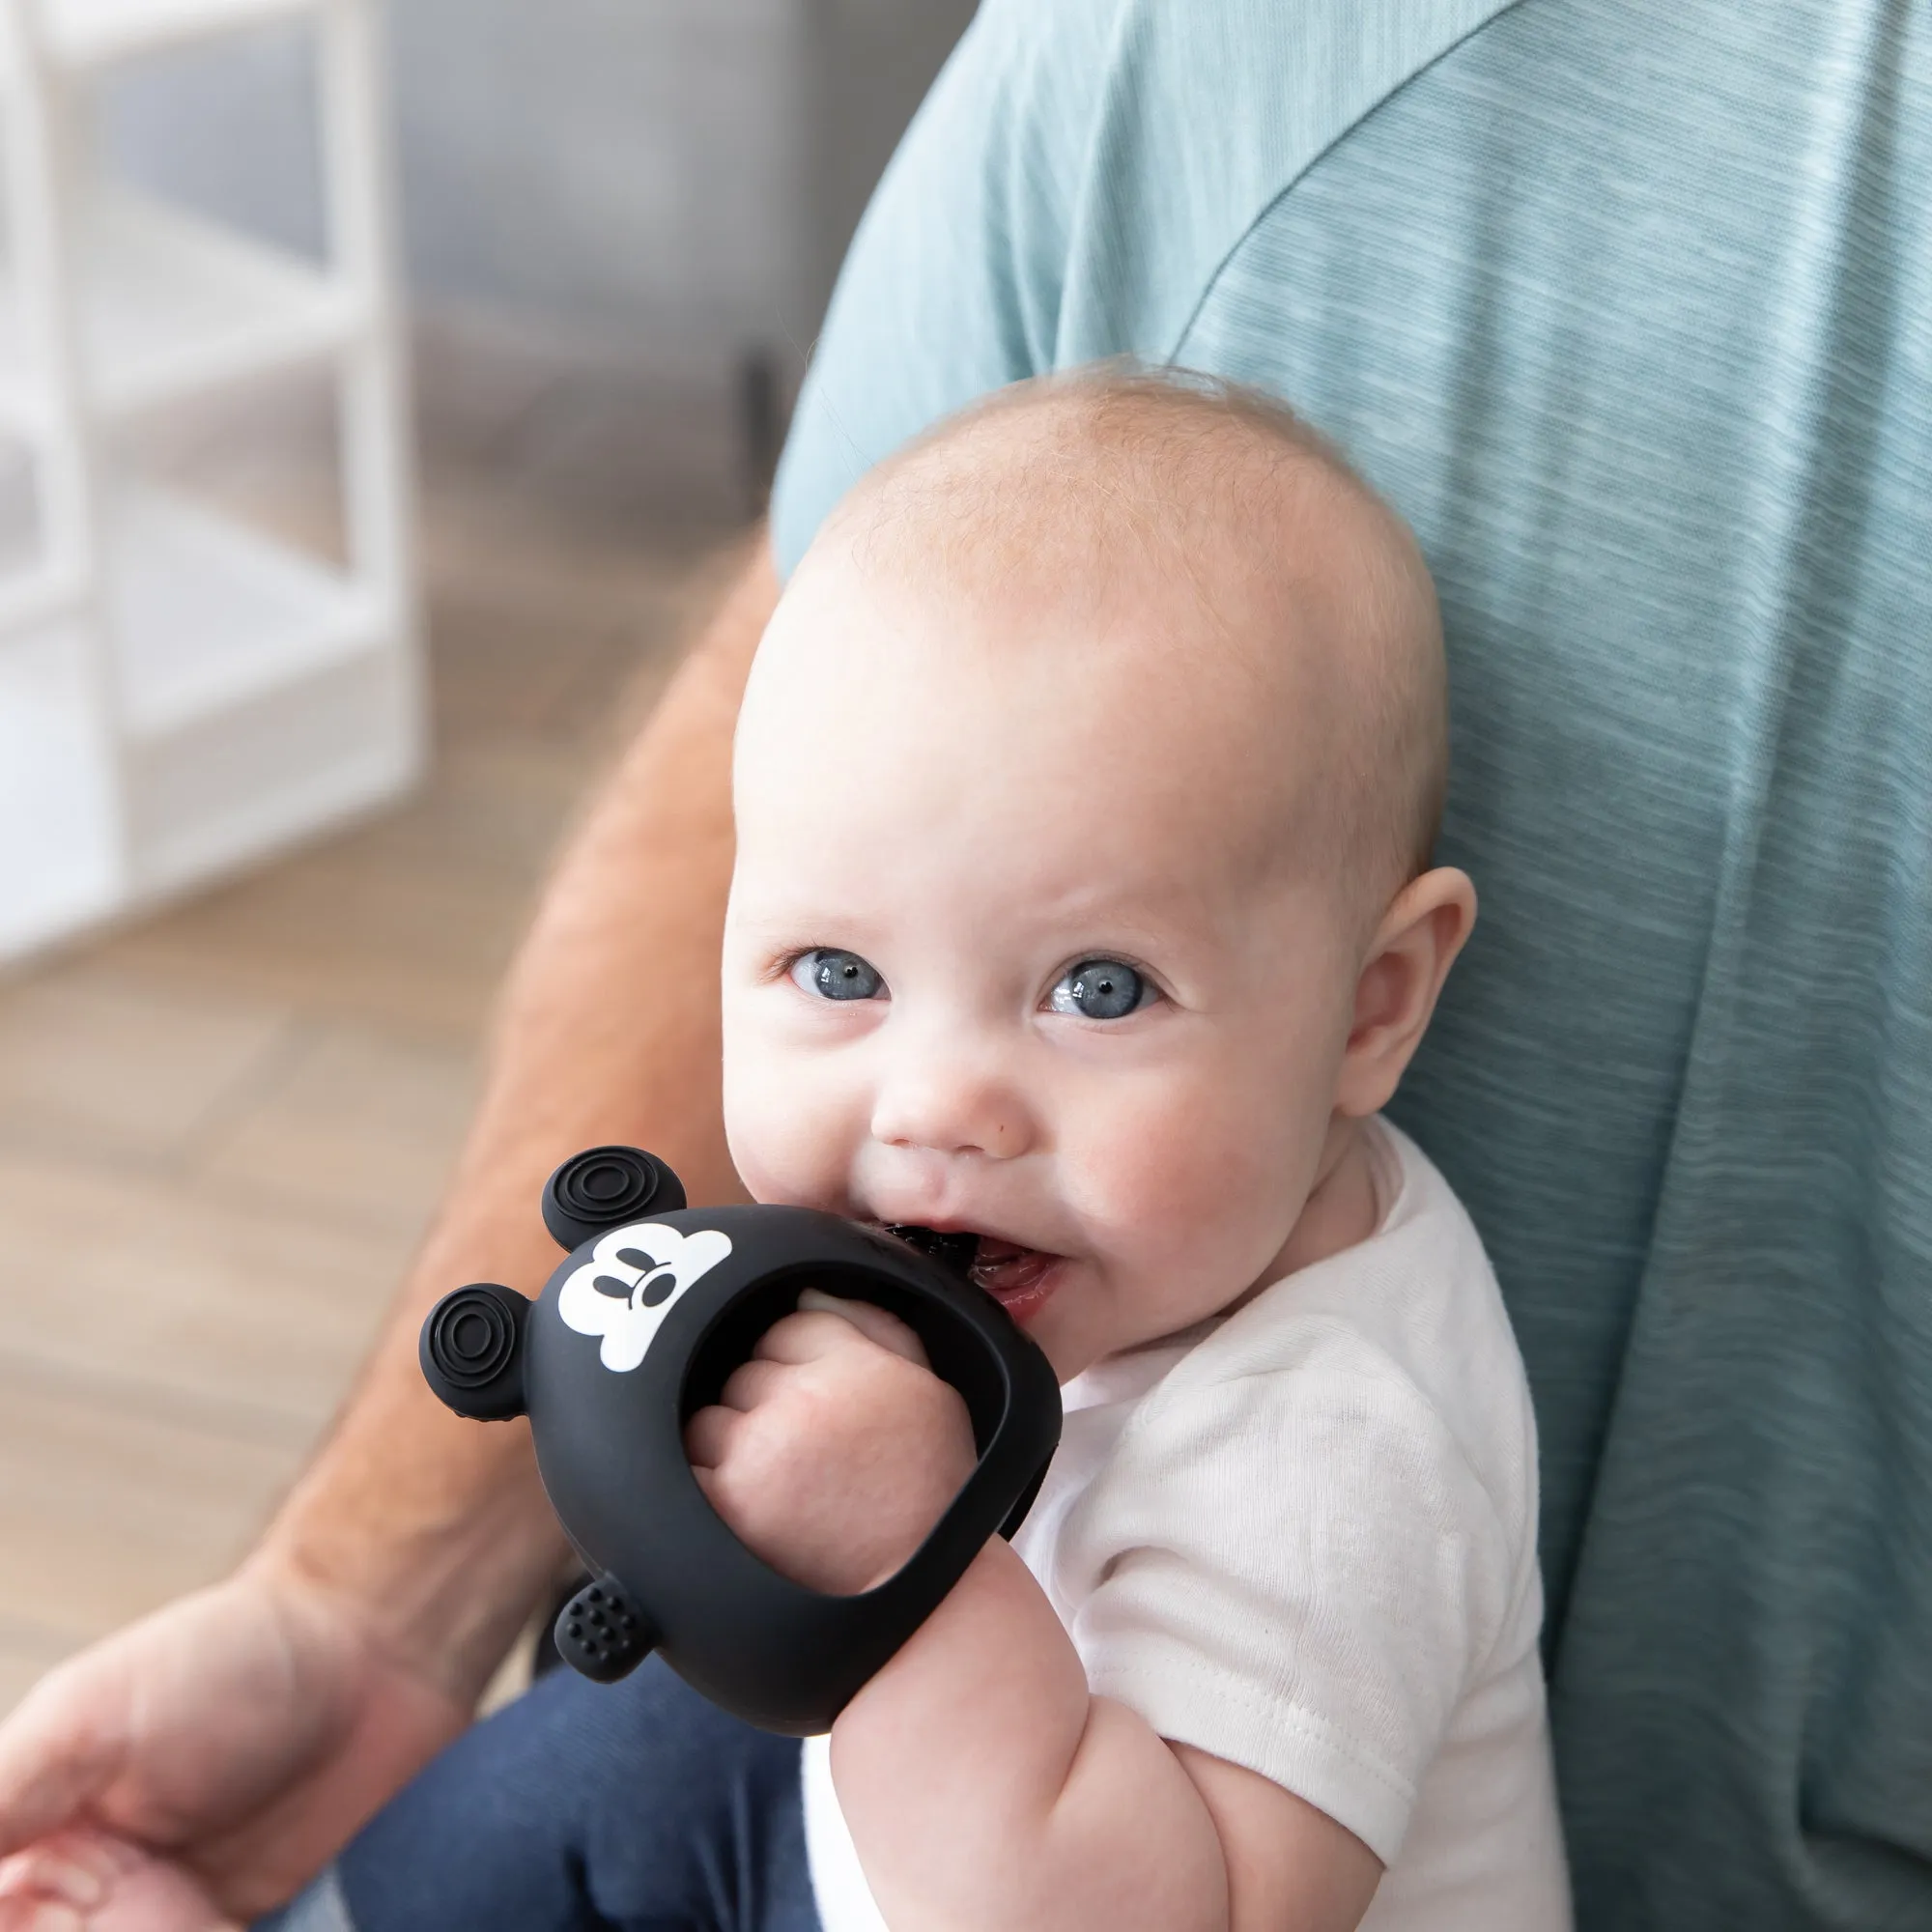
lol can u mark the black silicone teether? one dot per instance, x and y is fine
(604, 1187)
(602, 1634)
(951, 1250)
(637, 1329)
(470, 1349)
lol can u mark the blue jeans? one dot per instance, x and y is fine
(636, 1807)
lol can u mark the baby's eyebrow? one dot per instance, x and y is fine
(1096, 920)
(790, 928)
(827, 921)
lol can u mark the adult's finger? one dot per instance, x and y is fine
(59, 1751)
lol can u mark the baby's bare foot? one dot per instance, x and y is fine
(89, 1881)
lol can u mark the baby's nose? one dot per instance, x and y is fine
(945, 1104)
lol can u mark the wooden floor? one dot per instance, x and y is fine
(221, 1130)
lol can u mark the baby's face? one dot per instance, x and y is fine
(1013, 949)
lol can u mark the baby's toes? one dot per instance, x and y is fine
(74, 1868)
(158, 1898)
(88, 1881)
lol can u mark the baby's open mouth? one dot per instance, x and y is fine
(1020, 1279)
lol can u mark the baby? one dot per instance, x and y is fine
(1086, 786)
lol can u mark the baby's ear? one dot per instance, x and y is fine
(1408, 960)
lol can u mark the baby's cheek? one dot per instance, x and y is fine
(789, 1126)
(1183, 1178)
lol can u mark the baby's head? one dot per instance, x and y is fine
(1086, 783)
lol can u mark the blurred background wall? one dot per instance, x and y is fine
(247, 1099)
(663, 186)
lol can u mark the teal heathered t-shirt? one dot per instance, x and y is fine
(1627, 305)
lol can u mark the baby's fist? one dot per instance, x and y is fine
(835, 1449)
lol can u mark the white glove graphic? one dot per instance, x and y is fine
(634, 1276)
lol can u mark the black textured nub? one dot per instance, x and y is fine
(604, 1187)
(470, 1348)
(600, 1633)
(955, 1251)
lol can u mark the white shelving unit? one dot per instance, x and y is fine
(179, 692)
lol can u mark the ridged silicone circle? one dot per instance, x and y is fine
(471, 1337)
(604, 1187)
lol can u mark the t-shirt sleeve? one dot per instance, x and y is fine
(952, 284)
(1296, 1571)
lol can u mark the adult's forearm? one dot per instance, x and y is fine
(607, 1031)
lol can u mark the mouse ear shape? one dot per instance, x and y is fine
(604, 1187)
(471, 1350)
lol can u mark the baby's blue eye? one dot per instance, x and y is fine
(1102, 989)
(834, 975)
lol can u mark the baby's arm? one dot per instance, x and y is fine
(982, 1783)
(984, 1786)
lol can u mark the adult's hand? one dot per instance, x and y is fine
(241, 1733)
(244, 1732)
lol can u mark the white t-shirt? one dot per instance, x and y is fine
(1303, 1536)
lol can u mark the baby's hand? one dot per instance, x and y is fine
(835, 1449)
